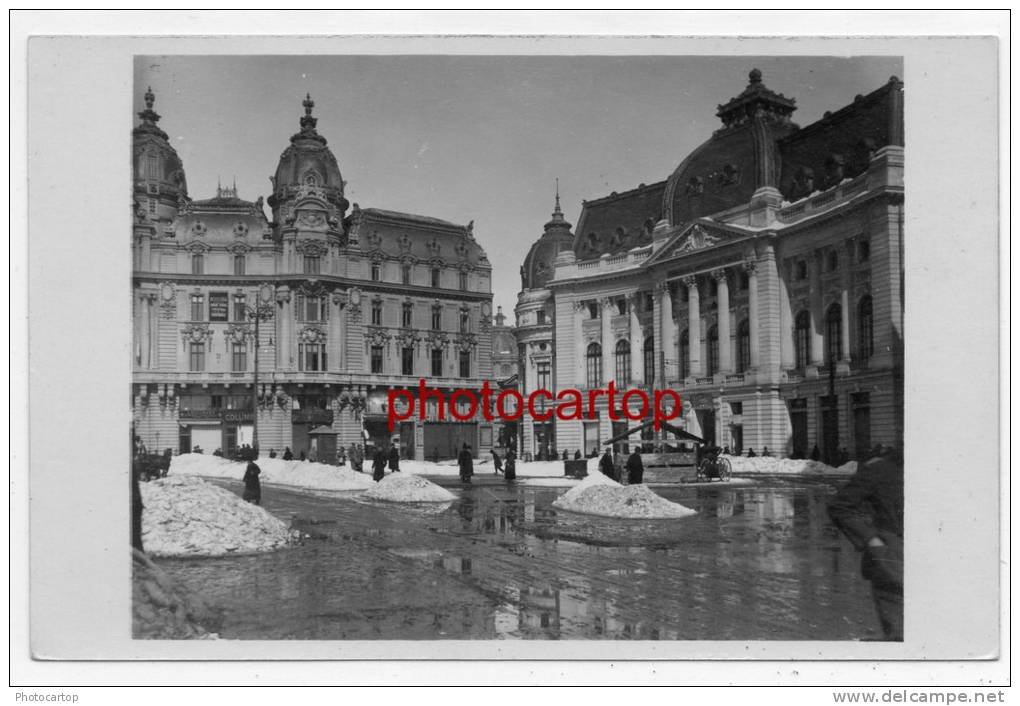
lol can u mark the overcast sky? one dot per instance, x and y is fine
(474, 138)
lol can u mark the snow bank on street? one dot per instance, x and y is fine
(850, 467)
(189, 517)
(600, 495)
(401, 488)
(785, 466)
(296, 474)
(482, 466)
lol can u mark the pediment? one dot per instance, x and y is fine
(696, 237)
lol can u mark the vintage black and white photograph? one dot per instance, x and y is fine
(603, 359)
(317, 453)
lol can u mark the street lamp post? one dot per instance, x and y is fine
(260, 312)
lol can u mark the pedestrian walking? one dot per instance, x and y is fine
(868, 510)
(497, 463)
(635, 469)
(288, 455)
(252, 485)
(466, 464)
(378, 464)
(510, 469)
(394, 459)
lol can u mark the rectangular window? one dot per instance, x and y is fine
(311, 308)
(437, 362)
(377, 359)
(540, 317)
(435, 277)
(593, 310)
(407, 361)
(197, 264)
(311, 357)
(240, 313)
(465, 364)
(238, 358)
(239, 264)
(463, 281)
(197, 307)
(377, 313)
(543, 378)
(406, 315)
(311, 265)
(464, 322)
(376, 272)
(437, 318)
(405, 274)
(196, 363)
(621, 306)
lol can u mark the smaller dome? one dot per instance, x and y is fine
(158, 170)
(308, 162)
(539, 263)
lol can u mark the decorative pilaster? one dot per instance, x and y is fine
(694, 326)
(579, 352)
(786, 351)
(285, 344)
(752, 308)
(723, 299)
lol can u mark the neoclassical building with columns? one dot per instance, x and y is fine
(763, 280)
(352, 303)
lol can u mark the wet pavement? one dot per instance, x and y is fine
(758, 562)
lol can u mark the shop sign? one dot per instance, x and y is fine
(219, 306)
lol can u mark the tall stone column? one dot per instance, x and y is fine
(694, 326)
(579, 347)
(334, 345)
(286, 315)
(153, 316)
(752, 310)
(723, 299)
(143, 331)
(817, 324)
(608, 353)
(667, 327)
(637, 347)
(844, 303)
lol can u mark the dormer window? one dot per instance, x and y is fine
(312, 265)
(197, 264)
(152, 167)
(405, 274)
(435, 277)
(376, 272)
(463, 281)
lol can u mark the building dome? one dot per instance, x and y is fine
(158, 171)
(308, 163)
(538, 263)
(738, 159)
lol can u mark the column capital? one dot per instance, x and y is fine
(606, 302)
(578, 305)
(750, 266)
(691, 281)
(719, 275)
(662, 286)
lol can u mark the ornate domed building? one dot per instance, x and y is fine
(336, 306)
(762, 280)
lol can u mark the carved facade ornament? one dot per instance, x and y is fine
(283, 296)
(198, 229)
(312, 248)
(404, 243)
(377, 336)
(237, 333)
(239, 247)
(461, 250)
(436, 340)
(339, 298)
(197, 247)
(168, 230)
(466, 341)
(433, 247)
(196, 333)
(313, 334)
(313, 289)
(354, 302)
(240, 229)
(168, 300)
(697, 239)
(719, 275)
(408, 338)
(312, 219)
(750, 266)
(374, 240)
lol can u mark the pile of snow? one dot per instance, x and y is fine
(401, 488)
(296, 474)
(600, 495)
(483, 466)
(189, 517)
(769, 465)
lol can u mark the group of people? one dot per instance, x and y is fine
(506, 465)
(383, 457)
(612, 466)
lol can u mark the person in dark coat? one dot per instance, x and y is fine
(497, 462)
(510, 469)
(378, 465)
(566, 457)
(868, 510)
(577, 455)
(815, 453)
(272, 453)
(302, 456)
(635, 469)
(766, 453)
(252, 486)
(751, 453)
(466, 464)
(606, 464)
(288, 455)
(394, 459)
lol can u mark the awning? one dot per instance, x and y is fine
(674, 430)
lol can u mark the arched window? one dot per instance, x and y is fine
(684, 357)
(833, 327)
(649, 356)
(713, 351)
(801, 339)
(594, 360)
(743, 346)
(622, 362)
(865, 331)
